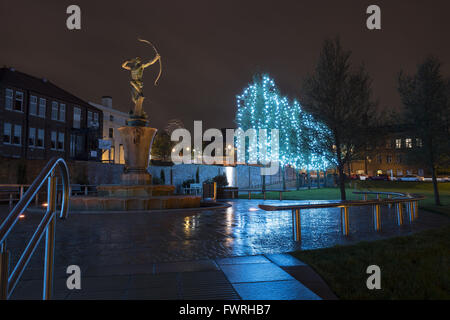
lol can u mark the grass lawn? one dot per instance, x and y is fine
(412, 267)
(424, 188)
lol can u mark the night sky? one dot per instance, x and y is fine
(211, 49)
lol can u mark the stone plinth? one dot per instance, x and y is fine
(135, 190)
(137, 142)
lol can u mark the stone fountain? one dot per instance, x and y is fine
(136, 192)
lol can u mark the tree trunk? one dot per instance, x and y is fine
(297, 180)
(263, 183)
(318, 179)
(437, 200)
(309, 179)
(342, 182)
(284, 177)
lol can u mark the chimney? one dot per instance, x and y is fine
(107, 101)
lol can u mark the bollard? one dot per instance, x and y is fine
(376, 217)
(344, 220)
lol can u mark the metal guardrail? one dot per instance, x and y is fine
(411, 201)
(9, 281)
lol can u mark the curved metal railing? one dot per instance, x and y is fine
(9, 281)
(398, 199)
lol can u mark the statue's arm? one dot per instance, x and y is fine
(125, 65)
(157, 57)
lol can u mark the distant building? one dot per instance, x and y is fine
(112, 120)
(39, 120)
(391, 155)
(172, 125)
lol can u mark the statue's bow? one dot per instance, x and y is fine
(159, 59)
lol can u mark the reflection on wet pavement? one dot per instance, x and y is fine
(242, 229)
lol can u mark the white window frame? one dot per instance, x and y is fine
(42, 107)
(32, 137)
(40, 136)
(53, 140)
(17, 129)
(76, 118)
(55, 110)
(33, 105)
(62, 112)
(60, 140)
(7, 132)
(16, 98)
(9, 99)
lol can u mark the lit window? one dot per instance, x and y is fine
(54, 110)
(408, 143)
(398, 143)
(40, 138)
(76, 117)
(53, 140)
(8, 99)
(42, 107)
(419, 142)
(17, 139)
(60, 141)
(62, 112)
(33, 105)
(32, 137)
(18, 103)
(7, 133)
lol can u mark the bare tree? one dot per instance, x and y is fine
(425, 97)
(341, 99)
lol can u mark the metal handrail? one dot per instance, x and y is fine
(410, 200)
(9, 281)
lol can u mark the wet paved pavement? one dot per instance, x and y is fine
(136, 242)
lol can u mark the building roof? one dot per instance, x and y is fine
(25, 81)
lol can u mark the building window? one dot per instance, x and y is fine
(111, 117)
(54, 110)
(32, 137)
(388, 144)
(53, 140)
(419, 143)
(399, 158)
(89, 119)
(408, 143)
(111, 133)
(18, 103)
(33, 105)
(61, 141)
(379, 159)
(40, 138)
(42, 107)
(398, 143)
(420, 172)
(8, 99)
(62, 112)
(7, 133)
(17, 139)
(121, 156)
(388, 159)
(76, 117)
(96, 119)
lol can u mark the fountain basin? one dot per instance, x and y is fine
(120, 190)
(87, 203)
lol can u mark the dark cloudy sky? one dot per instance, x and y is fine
(211, 49)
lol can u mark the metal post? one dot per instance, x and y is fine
(264, 192)
(36, 199)
(376, 217)
(399, 213)
(4, 271)
(21, 192)
(50, 239)
(86, 190)
(281, 195)
(298, 225)
(416, 209)
(344, 220)
(410, 211)
(10, 200)
(215, 191)
(249, 195)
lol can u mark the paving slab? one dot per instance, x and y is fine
(254, 272)
(284, 260)
(186, 266)
(275, 290)
(242, 260)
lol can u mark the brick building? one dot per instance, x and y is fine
(39, 120)
(390, 154)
